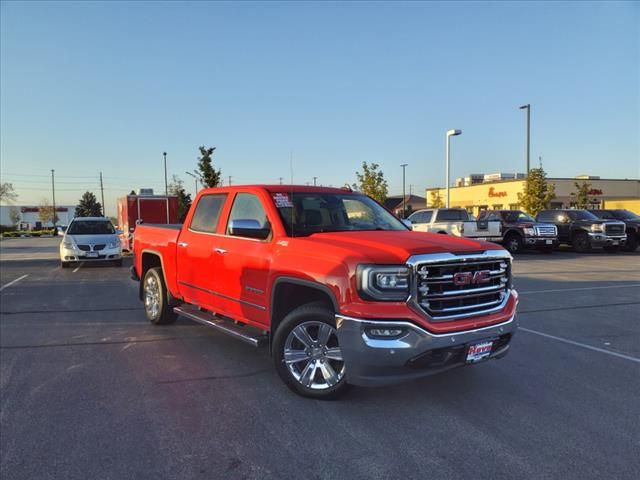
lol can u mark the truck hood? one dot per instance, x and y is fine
(391, 247)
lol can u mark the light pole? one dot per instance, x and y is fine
(53, 191)
(196, 179)
(314, 181)
(166, 190)
(450, 133)
(404, 199)
(528, 108)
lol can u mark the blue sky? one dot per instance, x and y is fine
(89, 87)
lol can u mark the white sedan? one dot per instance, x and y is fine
(90, 239)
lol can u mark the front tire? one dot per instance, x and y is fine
(581, 242)
(632, 242)
(154, 294)
(307, 354)
(513, 243)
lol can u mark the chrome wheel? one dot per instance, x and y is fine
(312, 355)
(152, 296)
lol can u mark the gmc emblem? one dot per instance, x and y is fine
(471, 278)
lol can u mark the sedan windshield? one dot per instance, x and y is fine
(91, 227)
(305, 213)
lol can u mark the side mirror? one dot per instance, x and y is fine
(249, 228)
(408, 223)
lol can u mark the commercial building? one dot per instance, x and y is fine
(28, 216)
(503, 194)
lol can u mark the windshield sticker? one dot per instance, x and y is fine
(282, 200)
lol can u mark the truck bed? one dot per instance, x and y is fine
(160, 239)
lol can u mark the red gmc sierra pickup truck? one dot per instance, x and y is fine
(339, 289)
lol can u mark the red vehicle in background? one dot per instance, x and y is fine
(144, 208)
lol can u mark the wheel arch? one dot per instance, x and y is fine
(289, 293)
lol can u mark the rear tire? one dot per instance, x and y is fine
(581, 242)
(307, 355)
(513, 243)
(154, 294)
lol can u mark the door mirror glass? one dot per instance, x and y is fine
(246, 227)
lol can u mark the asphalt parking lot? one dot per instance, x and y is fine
(89, 389)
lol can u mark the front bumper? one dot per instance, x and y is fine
(604, 240)
(414, 354)
(541, 241)
(104, 255)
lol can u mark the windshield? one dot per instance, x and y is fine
(517, 216)
(581, 215)
(625, 215)
(91, 227)
(305, 213)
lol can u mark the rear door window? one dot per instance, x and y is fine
(205, 218)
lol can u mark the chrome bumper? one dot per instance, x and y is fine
(413, 354)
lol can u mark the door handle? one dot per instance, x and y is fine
(183, 244)
(221, 251)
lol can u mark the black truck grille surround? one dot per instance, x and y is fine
(451, 289)
(613, 229)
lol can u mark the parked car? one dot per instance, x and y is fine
(339, 289)
(454, 221)
(583, 230)
(90, 239)
(630, 219)
(520, 231)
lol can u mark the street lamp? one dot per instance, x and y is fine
(404, 199)
(196, 179)
(450, 133)
(166, 189)
(528, 108)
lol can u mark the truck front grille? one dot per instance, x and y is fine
(546, 231)
(613, 229)
(469, 286)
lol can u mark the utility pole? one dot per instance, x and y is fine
(280, 180)
(314, 181)
(528, 108)
(404, 198)
(53, 191)
(230, 177)
(102, 196)
(166, 189)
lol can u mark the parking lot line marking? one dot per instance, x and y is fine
(13, 282)
(583, 345)
(578, 289)
(77, 268)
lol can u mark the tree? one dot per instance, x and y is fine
(436, 200)
(88, 206)
(209, 176)
(371, 182)
(176, 187)
(581, 197)
(14, 215)
(7, 193)
(46, 213)
(537, 193)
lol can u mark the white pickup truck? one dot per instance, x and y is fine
(455, 221)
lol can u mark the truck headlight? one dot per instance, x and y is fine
(383, 282)
(597, 227)
(529, 232)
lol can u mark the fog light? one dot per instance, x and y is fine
(384, 332)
